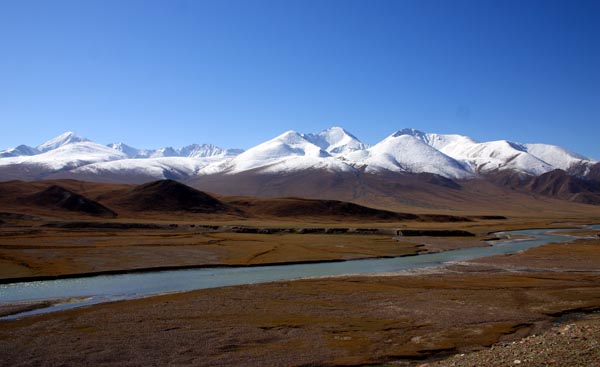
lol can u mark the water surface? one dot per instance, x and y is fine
(91, 290)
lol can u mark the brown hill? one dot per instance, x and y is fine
(57, 197)
(390, 191)
(594, 172)
(509, 179)
(314, 208)
(10, 190)
(589, 171)
(559, 184)
(166, 195)
(334, 197)
(410, 193)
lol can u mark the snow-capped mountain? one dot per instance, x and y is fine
(207, 150)
(555, 156)
(61, 140)
(287, 152)
(334, 150)
(500, 155)
(192, 151)
(67, 156)
(401, 152)
(143, 170)
(335, 141)
(18, 151)
(129, 151)
(71, 155)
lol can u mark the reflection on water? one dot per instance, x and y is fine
(92, 290)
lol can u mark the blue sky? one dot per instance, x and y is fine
(236, 73)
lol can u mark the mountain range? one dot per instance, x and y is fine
(330, 164)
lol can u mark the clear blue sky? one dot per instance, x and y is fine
(236, 73)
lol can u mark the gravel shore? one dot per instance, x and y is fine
(569, 344)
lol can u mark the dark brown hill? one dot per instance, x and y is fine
(313, 208)
(559, 184)
(345, 197)
(509, 179)
(10, 190)
(57, 197)
(594, 172)
(297, 207)
(589, 171)
(407, 193)
(166, 195)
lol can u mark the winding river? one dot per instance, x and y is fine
(104, 288)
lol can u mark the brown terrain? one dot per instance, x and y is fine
(432, 316)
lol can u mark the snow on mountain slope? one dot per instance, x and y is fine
(556, 156)
(61, 140)
(438, 141)
(490, 156)
(207, 150)
(162, 152)
(408, 150)
(289, 151)
(155, 168)
(18, 151)
(449, 144)
(335, 141)
(68, 156)
(129, 151)
(132, 152)
(504, 155)
(400, 152)
(192, 151)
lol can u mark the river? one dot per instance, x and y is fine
(104, 288)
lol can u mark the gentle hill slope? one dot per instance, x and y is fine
(166, 195)
(57, 197)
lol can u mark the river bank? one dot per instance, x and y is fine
(397, 319)
(130, 285)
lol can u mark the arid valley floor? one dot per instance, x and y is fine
(533, 308)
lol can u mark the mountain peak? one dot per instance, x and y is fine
(289, 133)
(65, 138)
(336, 129)
(407, 151)
(335, 140)
(411, 132)
(21, 150)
